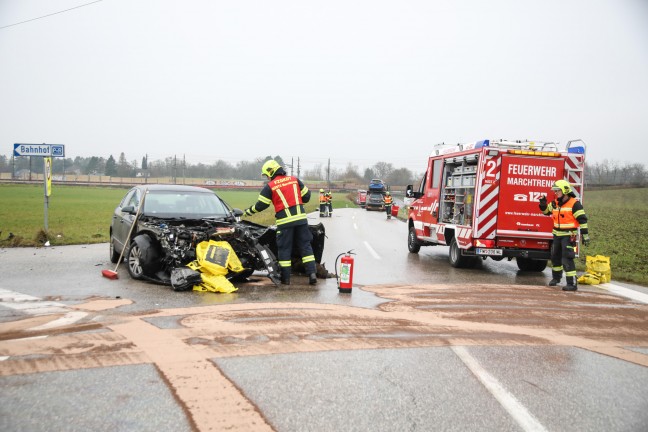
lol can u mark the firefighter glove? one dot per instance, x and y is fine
(543, 203)
(585, 239)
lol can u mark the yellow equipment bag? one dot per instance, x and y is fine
(597, 270)
(214, 259)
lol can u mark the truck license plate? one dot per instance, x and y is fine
(490, 252)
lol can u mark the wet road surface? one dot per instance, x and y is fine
(417, 345)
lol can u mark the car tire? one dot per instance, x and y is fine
(143, 257)
(413, 244)
(114, 256)
(242, 276)
(528, 264)
(456, 259)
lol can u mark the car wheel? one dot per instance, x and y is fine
(134, 261)
(114, 256)
(412, 242)
(528, 264)
(456, 259)
(242, 276)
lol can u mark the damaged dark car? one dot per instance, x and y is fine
(156, 228)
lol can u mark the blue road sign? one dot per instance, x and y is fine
(53, 150)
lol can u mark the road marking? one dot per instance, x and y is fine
(68, 318)
(372, 251)
(355, 226)
(36, 306)
(520, 414)
(625, 292)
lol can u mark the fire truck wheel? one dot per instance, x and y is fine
(456, 259)
(412, 242)
(528, 264)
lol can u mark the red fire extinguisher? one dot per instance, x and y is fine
(345, 279)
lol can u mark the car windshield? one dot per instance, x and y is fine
(193, 205)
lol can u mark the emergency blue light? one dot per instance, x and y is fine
(482, 143)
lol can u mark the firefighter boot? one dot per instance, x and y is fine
(571, 284)
(312, 279)
(555, 278)
(285, 275)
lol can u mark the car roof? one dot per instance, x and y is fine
(173, 188)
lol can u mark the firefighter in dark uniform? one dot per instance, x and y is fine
(322, 203)
(287, 194)
(329, 203)
(567, 214)
(388, 201)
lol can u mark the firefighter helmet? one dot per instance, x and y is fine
(321, 190)
(387, 193)
(270, 168)
(562, 186)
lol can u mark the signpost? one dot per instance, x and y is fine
(54, 150)
(47, 152)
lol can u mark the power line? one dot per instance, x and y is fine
(45, 16)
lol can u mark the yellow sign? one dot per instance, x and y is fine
(48, 176)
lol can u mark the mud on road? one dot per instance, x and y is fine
(185, 344)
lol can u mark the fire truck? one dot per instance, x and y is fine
(481, 200)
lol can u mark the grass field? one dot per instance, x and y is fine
(78, 215)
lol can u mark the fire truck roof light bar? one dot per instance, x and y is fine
(534, 153)
(539, 148)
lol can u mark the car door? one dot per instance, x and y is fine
(122, 220)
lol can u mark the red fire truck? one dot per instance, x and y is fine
(481, 199)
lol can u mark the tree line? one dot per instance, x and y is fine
(606, 173)
(177, 168)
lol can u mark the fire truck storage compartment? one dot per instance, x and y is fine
(459, 193)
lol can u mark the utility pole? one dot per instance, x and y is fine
(298, 168)
(175, 168)
(328, 174)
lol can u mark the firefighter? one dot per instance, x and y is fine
(288, 195)
(322, 203)
(568, 214)
(329, 203)
(388, 201)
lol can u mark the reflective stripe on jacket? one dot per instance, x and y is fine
(568, 217)
(287, 199)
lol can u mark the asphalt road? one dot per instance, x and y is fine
(416, 346)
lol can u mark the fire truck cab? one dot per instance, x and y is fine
(481, 200)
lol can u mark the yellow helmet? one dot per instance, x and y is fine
(270, 168)
(387, 193)
(321, 190)
(562, 186)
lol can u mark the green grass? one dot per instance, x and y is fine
(81, 215)
(618, 229)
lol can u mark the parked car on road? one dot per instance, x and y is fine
(375, 201)
(157, 228)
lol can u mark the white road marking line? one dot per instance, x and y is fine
(3, 358)
(625, 292)
(355, 226)
(68, 318)
(520, 414)
(372, 251)
(35, 306)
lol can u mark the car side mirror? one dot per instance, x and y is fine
(237, 213)
(408, 191)
(129, 209)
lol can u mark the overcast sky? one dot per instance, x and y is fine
(357, 81)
